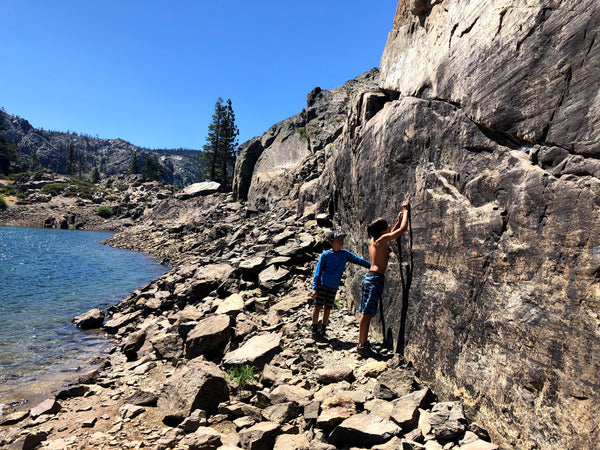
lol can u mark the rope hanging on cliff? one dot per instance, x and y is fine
(400, 344)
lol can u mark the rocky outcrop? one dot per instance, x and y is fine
(485, 118)
(267, 167)
(234, 365)
(49, 149)
(526, 69)
(47, 200)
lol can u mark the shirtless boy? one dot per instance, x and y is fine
(373, 280)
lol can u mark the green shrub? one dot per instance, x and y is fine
(3, 204)
(104, 211)
(241, 374)
(53, 188)
(303, 133)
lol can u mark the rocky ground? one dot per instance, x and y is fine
(218, 352)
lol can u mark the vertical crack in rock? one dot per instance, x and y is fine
(563, 95)
(500, 22)
(469, 28)
(452, 34)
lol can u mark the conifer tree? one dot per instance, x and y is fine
(134, 165)
(71, 159)
(219, 152)
(152, 169)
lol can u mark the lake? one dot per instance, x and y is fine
(47, 277)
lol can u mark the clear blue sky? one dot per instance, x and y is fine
(151, 71)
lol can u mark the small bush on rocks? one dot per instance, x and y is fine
(241, 374)
(104, 211)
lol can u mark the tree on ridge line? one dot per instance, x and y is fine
(219, 152)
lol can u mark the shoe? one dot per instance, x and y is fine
(315, 331)
(366, 351)
(323, 333)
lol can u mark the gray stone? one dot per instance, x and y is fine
(406, 408)
(260, 436)
(167, 346)
(48, 406)
(335, 374)
(394, 383)
(289, 393)
(232, 305)
(142, 398)
(129, 411)
(363, 430)
(447, 420)
(203, 188)
(281, 412)
(209, 337)
(272, 274)
(133, 343)
(91, 319)
(256, 351)
(204, 438)
(197, 384)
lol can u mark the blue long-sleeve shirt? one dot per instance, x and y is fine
(331, 265)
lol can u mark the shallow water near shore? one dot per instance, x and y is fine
(47, 277)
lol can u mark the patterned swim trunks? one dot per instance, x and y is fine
(325, 296)
(371, 290)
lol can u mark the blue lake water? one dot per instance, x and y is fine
(47, 277)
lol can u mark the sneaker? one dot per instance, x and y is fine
(323, 333)
(366, 351)
(315, 331)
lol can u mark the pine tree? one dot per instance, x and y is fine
(219, 152)
(71, 159)
(95, 177)
(134, 165)
(152, 169)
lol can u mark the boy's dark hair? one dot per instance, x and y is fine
(377, 227)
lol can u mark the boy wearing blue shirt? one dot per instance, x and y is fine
(327, 278)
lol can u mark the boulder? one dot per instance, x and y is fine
(406, 409)
(204, 438)
(394, 383)
(89, 320)
(260, 436)
(363, 430)
(48, 406)
(209, 337)
(335, 410)
(286, 393)
(335, 374)
(447, 420)
(197, 384)
(198, 189)
(258, 350)
(232, 305)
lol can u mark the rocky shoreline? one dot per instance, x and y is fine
(235, 303)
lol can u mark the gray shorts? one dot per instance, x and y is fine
(325, 296)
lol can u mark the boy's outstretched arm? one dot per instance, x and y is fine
(399, 228)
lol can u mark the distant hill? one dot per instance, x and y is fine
(38, 148)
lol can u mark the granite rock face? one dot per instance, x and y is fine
(485, 118)
(526, 68)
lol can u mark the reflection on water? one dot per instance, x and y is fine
(47, 277)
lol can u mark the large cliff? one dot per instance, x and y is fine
(484, 115)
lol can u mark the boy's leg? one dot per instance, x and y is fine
(315, 314)
(326, 311)
(363, 329)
